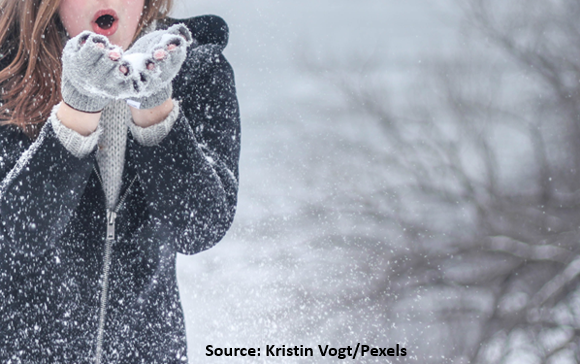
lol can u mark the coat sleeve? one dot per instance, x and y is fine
(41, 184)
(190, 179)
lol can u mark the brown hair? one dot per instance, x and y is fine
(30, 51)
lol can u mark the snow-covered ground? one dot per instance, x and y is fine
(272, 280)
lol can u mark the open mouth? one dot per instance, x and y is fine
(105, 22)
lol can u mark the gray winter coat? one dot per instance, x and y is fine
(180, 197)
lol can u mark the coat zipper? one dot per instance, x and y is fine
(110, 239)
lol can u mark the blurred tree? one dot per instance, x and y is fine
(481, 175)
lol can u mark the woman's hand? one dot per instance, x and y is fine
(96, 72)
(154, 60)
(92, 76)
(93, 73)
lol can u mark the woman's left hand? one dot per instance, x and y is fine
(154, 60)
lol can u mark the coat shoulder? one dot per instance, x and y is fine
(206, 29)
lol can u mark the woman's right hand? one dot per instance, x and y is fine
(93, 73)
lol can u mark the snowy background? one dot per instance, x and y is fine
(275, 278)
(410, 174)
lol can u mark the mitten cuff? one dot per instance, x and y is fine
(80, 146)
(81, 102)
(154, 134)
(151, 101)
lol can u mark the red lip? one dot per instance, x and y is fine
(114, 26)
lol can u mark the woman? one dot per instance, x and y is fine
(97, 197)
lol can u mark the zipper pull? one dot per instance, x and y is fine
(111, 216)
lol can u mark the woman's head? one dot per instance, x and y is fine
(119, 20)
(115, 19)
(31, 44)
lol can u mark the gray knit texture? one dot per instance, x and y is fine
(153, 100)
(80, 146)
(90, 78)
(154, 134)
(111, 137)
(111, 152)
(81, 102)
(154, 85)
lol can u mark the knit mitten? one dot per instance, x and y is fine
(154, 60)
(92, 75)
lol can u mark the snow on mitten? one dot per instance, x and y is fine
(92, 75)
(155, 59)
